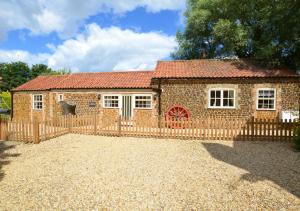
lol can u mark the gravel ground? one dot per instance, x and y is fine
(88, 172)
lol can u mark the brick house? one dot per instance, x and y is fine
(202, 88)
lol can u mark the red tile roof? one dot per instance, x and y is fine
(212, 68)
(131, 79)
(204, 68)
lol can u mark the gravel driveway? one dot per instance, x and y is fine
(89, 172)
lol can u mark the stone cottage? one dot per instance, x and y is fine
(177, 89)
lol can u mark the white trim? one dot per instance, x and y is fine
(143, 95)
(266, 109)
(38, 109)
(108, 95)
(221, 98)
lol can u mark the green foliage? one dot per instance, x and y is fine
(5, 102)
(231, 35)
(13, 75)
(16, 73)
(266, 30)
(297, 138)
(58, 72)
(40, 69)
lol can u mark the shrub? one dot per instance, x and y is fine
(5, 102)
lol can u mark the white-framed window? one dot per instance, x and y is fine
(111, 101)
(266, 99)
(60, 97)
(221, 98)
(143, 101)
(37, 102)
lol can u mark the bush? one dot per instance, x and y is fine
(297, 138)
(5, 102)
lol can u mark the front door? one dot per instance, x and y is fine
(126, 107)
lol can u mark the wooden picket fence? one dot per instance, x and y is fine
(196, 129)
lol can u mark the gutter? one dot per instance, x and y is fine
(56, 89)
(250, 77)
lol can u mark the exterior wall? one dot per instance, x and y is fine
(80, 98)
(22, 104)
(193, 95)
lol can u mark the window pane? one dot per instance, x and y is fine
(266, 99)
(111, 101)
(271, 94)
(266, 94)
(218, 102)
(38, 105)
(225, 94)
(225, 102)
(143, 101)
(271, 104)
(231, 94)
(221, 98)
(231, 102)
(143, 97)
(143, 104)
(212, 102)
(37, 101)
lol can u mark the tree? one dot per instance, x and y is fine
(13, 75)
(17, 73)
(40, 69)
(265, 30)
(58, 72)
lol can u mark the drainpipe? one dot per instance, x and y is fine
(159, 106)
(12, 105)
(159, 97)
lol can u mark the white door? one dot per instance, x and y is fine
(126, 107)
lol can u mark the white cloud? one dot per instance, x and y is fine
(112, 49)
(48, 22)
(24, 56)
(65, 16)
(102, 49)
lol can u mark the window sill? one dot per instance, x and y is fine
(222, 108)
(143, 108)
(110, 107)
(265, 109)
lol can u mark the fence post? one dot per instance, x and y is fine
(36, 131)
(5, 131)
(69, 123)
(159, 125)
(119, 125)
(252, 128)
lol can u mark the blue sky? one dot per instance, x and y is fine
(93, 35)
